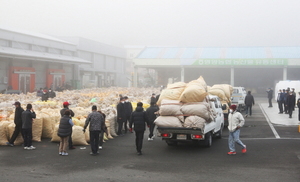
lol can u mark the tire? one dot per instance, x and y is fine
(208, 139)
(170, 143)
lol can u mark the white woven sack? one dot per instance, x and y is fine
(170, 108)
(194, 122)
(201, 109)
(168, 121)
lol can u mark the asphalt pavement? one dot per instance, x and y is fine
(270, 157)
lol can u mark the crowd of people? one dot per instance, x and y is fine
(127, 119)
(286, 100)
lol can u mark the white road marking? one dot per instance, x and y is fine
(270, 124)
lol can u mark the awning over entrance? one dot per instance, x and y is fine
(39, 56)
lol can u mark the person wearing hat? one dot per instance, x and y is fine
(235, 122)
(62, 113)
(27, 120)
(64, 131)
(121, 115)
(140, 121)
(18, 123)
(95, 121)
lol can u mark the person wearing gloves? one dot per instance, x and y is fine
(95, 120)
(235, 122)
(139, 120)
(64, 132)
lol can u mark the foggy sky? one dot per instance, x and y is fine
(161, 22)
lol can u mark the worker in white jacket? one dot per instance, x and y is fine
(235, 122)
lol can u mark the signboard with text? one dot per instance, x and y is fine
(241, 62)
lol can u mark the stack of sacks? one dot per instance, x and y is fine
(170, 114)
(223, 91)
(78, 137)
(195, 91)
(172, 92)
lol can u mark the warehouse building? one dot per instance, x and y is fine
(255, 68)
(29, 61)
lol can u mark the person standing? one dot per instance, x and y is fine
(284, 101)
(280, 101)
(94, 120)
(45, 95)
(103, 130)
(290, 102)
(153, 98)
(270, 96)
(64, 131)
(128, 110)
(249, 101)
(51, 93)
(121, 115)
(27, 119)
(151, 115)
(139, 120)
(298, 105)
(62, 113)
(18, 123)
(235, 122)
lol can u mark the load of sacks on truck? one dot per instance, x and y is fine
(48, 113)
(187, 104)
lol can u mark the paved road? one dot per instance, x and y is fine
(268, 159)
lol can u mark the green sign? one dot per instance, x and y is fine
(241, 62)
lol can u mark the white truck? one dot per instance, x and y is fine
(238, 97)
(173, 135)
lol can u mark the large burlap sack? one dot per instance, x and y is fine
(48, 125)
(194, 122)
(3, 132)
(55, 137)
(11, 128)
(218, 92)
(194, 92)
(227, 89)
(113, 124)
(201, 109)
(37, 128)
(202, 82)
(172, 92)
(170, 108)
(78, 137)
(168, 121)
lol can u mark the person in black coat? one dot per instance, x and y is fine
(139, 120)
(291, 101)
(18, 123)
(128, 110)
(249, 101)
(280, 101)
(121, 115)
(298, 105)
(62, 113)
(270, 96)
(45, 95)
(151, 116)
(51, 93)
(64, 132)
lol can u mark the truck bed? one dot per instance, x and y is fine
(196, 131)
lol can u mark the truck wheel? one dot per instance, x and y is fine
(170, 143)
(220, 133)
(208, 140)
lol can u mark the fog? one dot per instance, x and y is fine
(162, 22)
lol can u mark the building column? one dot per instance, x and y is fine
(285, 73)
(135, 77)
(182, 74)
(232, 76)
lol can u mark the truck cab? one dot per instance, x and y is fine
(238, 97)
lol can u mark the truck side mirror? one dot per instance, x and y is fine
(224, 107)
